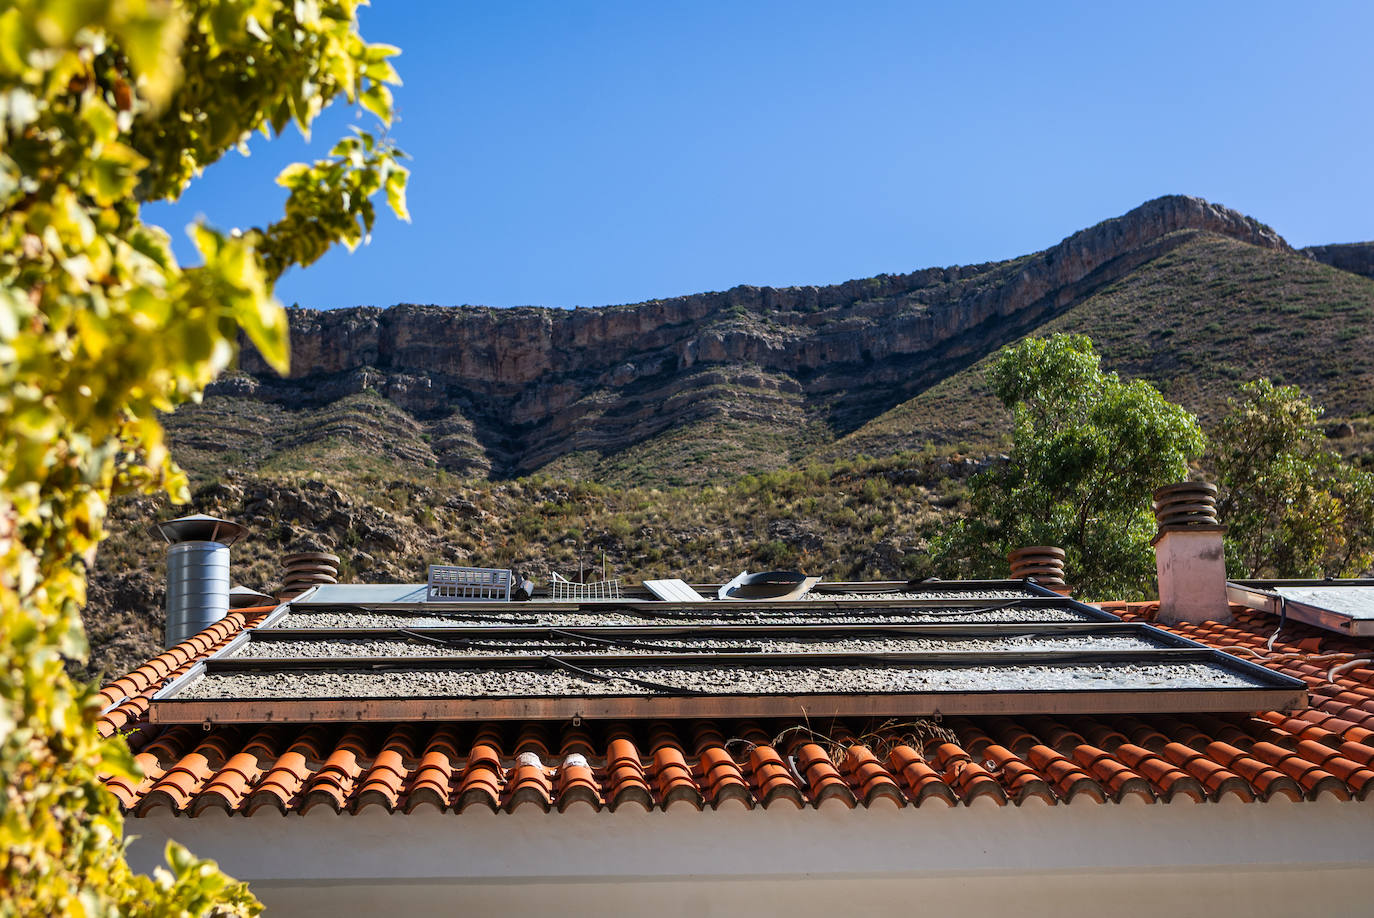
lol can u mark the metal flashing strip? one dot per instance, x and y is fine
(1344, 606)
(988, 702)
(170, 690)
(743, 610)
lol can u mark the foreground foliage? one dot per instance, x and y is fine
(1292, 507)
(1088, 450)
(105, 106)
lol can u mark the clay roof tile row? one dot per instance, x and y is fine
(1326, 750)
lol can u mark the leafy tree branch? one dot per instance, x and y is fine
(105, 106)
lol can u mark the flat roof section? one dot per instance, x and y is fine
(1344, 606)
(650, 642)
(629, 614)
(986, 648)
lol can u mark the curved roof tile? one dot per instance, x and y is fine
(1325, 750)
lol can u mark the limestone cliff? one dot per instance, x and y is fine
(502, 391)
(1355, 257)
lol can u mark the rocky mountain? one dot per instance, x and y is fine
(698, 435)
(773, 374)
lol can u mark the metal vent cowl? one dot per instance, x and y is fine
(1186, 505)
(305, 569)
(1042, 563)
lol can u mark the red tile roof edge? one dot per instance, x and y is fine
(1326, 750)
(126, 698)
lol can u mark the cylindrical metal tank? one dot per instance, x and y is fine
(197, 588)
(197, 573)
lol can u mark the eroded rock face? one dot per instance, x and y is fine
(531, 384)
(1355, 257)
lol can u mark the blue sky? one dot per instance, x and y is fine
(584, 154)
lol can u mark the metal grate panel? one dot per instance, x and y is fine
(562, 589)
(468, 584)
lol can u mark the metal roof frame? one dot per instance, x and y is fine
(1271, 690)
(1263, 596)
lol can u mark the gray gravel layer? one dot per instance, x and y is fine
(754, 680)
(977, 595)
(650, 645)
(511, 615)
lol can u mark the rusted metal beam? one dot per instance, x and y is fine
(813, 707)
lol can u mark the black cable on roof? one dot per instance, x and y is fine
(643, 683)
(641, 645)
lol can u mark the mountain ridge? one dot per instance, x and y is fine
(509, 391)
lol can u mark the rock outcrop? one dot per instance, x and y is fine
(1355, 257)
(508, 390)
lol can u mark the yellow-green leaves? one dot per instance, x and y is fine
(396, 190)
(233, 279)
(255, 65)
(330, 201)
(104, 105)
(114, 173)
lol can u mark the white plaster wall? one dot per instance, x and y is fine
(1211, 859)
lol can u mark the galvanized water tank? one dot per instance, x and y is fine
(197, 573)
(197, 588)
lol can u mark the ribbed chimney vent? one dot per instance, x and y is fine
(1188, 505)
(305, 569)
(197, 573)
(1189, 555)
(1042, 563)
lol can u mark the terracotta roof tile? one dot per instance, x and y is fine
(384, 782)
(577, 783)
(1324, 750)
(483, 777)
(432, 781)
(771, 778)
(1112, 774)
(334, 782)
(1063, 775)
(625, 776)
(1020, 780)
(922, 781)
(529, 784)
(823, 779)
(869, 779)
(672, 774)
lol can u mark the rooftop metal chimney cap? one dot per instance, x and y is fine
(242, 597)
(198, 527)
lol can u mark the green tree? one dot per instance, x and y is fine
(106, 105)
(1292, 507)
(1088, 450)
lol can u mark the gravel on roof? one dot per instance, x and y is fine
(991, 595)
(511, 614)
(506, 646)
(753, 680)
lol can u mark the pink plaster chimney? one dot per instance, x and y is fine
(1188, 554)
